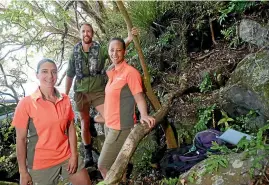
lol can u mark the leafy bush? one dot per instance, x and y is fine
(257, 148)
(214, 162)
(234, 7)
(143, 13)
(204, 114)
(225, 119)
(170, 181)
(206, 84)
(143, 154)
(166, 38)
(7, 109)
(8, 164)
(231, 36)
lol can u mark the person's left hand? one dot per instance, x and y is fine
(149, 120)
(72, 164)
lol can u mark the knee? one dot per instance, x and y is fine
(99, 119)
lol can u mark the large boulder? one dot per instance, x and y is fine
(237, 172)
(254, 33)
(248, 88)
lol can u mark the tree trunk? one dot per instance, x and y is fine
(117, 170)
(169, 134)
(212, 31)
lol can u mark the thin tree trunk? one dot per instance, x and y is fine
(117, 170)
(169, 134)
(212, 31)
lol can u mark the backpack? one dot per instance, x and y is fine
(179, 160)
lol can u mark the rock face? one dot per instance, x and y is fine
(248, 88)
(237, 172)
(254, 33)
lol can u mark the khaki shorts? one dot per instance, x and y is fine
(112, 146)
(85, 100)
(52, 175)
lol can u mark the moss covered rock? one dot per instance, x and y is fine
(254, 33)
(237, 172)
(248, 88)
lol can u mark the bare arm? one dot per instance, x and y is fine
(21, 135)
(68, 84)
(72, 137)
(129, 39)
(142, 107)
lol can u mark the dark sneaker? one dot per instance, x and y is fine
(93, 130)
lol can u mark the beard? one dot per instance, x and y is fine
(87, 40)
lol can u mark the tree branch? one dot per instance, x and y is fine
(61, 79)
(7, 85)
(7, 94)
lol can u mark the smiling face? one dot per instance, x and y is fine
(86, 34)
(47, 74)
(116, 51)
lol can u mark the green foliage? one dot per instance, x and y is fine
(192, 177)
(8, 166)
(7, 109)
(170, 181)
(206, 84)
(143, 154)
(166, 38)
(231, 36)
(225, 119)
(183, 135)
(7, 132)
(7, 149)
(114, 26)
(214, 162)
(221, 148)
(102, 183)
(143, 13)
(242, 122)
(257, 148)
(234, 7)
(204, 115)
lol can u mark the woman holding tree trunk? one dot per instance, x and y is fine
(123, 91)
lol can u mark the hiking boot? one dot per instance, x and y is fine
(93, 130)
(88, 160)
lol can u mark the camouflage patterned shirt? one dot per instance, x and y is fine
(88, 67)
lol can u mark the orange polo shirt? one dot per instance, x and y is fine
(123, 84)
(47, 124)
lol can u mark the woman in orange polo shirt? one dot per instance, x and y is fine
(123, 91)
(46, 140)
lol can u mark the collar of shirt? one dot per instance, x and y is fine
(38, 94)
(112, 71)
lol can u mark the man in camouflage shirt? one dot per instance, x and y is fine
(87, 64)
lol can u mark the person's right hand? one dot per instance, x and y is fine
(25, 179)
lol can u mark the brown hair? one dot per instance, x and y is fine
(42, 62)
(86, 23)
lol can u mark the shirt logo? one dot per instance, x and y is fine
(119, 78)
